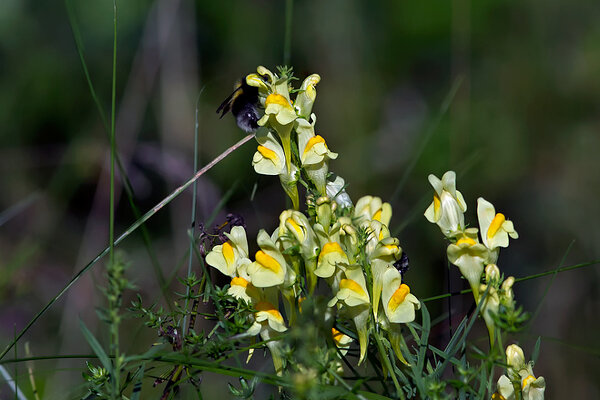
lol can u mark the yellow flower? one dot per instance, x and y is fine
(268, 322)
(353, 294)
(377, 232)
(382, 257)
(266, 312)
(448, 206)
(398, 303)
(231, 255)
(279, 113)
(314, 153)
(269, 158)
(241, 288)
(312, 147)
(331, 256)
(533, 388)
(296, 224)
(341, 340)
(370, 208)
(270, 268)
(278, 106)
(470, 257)
(505, 389)
(295, 228)
(306, 96)
(495, 228)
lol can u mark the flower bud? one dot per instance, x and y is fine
(492, 273)
(515, 358)
(324, 212)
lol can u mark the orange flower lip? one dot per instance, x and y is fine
(275, 98)
(265, 306)
(312, 142)
(267, 153)
(238, 281)
(352, 285)
(466, 240)
(495, 225)
(331, 247)
(228, 253)
(398, 297)
(267, 261)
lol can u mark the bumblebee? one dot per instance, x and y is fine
(243, 105)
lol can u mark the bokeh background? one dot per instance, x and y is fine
(506, 93)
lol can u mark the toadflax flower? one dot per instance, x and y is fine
(470, 257)
(332, 256)
(371, 208)
(314, 153)
(399, 303)
(448, 206)
(242, 289)
(269, 158)
(294, 228)
(353, 294)
(232, 254)
(532, 388)
(341, 340)
(520, 376)
(385, 254)
(268, 322)
(495, 228)
(270, 268)
(306, 96)
(279, 116)
(504, 389)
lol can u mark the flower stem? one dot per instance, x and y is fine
(388, 364)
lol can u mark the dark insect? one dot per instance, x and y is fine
(402, 264)
(242, 104)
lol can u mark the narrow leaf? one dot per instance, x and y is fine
(96, 347)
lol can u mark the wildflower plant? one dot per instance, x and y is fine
(326, 292)
(332, 274)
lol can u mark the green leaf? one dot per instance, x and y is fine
(424, 337)
(536, 349)
(96, 347)
(137, 387)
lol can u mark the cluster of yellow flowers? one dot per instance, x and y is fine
(520, 378)
(345, 252)
(471, 256)
(348, 248)
(477, 259)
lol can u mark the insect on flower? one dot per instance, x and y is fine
(243, 105)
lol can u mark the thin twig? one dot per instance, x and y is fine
(122, 237)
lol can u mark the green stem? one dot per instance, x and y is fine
(112, 137)
(114, 324)
(388, 364)
(525, 278)
(194, 190)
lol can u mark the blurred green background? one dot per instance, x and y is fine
(522, 130)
